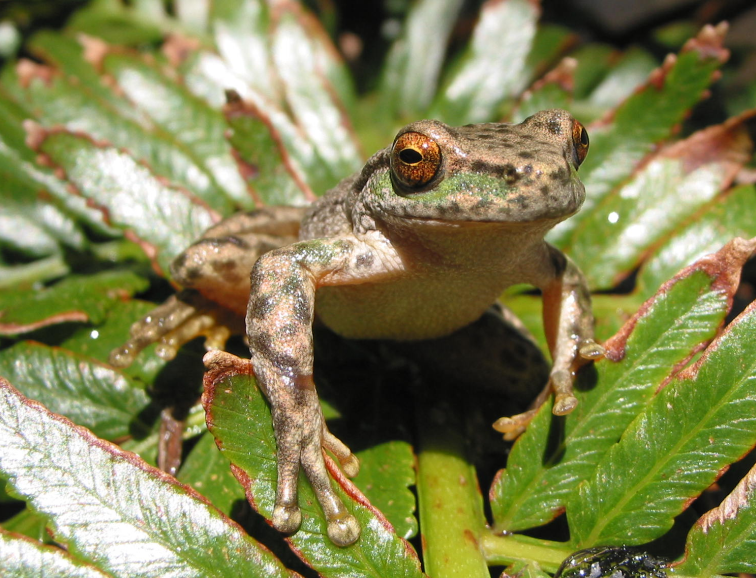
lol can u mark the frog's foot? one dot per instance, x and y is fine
(301, 438)
(348, 461)
(180, 319)
(561, 384)
(590, 350)
(513, 427)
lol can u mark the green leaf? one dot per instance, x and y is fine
(257, 146)
(28, 523)
(622, 78)
(76, 298)
(413, 65)
(553, 91)
(33, 193)
(723, 541)
(594, 63)
(269, 59)
(116, 22)
(386, 472)
(549, 43)
(691, 431)
(55, 99)
(165, 220)
(26, 275)
(25, 558)
(311, 99)
(239, 417)
(683, 178)
(98, 340)
(493, 67)
(196, 128)
(683, 316)
(208, 471)
(68, 55)
(90, 394)
(630, 132)
(113, 510)
(241, 33)
(727, 217)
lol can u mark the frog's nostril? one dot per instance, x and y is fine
(509, 174)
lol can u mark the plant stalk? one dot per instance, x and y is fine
(450, 504)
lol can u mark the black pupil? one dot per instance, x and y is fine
(410, 156)
(584, 137)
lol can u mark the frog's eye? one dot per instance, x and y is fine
(580, 140)
(415, 159)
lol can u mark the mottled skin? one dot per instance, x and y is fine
(417, 245)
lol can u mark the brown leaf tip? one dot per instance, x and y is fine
(221, 364)
(177, 48)
(732, 504)
(28, 70)
(710, 42)
(724, 268)
(95, 49)
(562, 75)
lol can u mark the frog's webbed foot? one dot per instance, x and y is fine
(560, 384)
(180, 319)
(301, 437)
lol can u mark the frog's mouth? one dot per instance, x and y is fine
(487, 205)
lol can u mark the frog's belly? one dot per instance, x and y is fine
(404, 310)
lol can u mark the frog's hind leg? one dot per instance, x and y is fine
(214, 272)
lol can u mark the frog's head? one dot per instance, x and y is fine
(496, 172)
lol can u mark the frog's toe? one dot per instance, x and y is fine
(286, 518)
(350, 464)
(513, 426)
(197, 325)
(160, 322)
(564, 404)
(343, 530)
(589, 349)
(564, 399)
(180, 319)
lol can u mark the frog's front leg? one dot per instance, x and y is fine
(568, 323)
(279, 328)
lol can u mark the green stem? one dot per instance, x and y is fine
(504, 550)
(450, 504)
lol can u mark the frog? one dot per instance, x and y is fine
(416, 245)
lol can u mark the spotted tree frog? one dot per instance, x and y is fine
(416, 245)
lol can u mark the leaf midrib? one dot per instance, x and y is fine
(672, 453)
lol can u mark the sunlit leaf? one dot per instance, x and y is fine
(670, 188)
(723, 541)
(76, 298)
(164, 220)
(727, 217)
(698, 424)
(113, 510)
(197, 128)
(413, 66)
(630, 132)
(88, 393)
(494, 65)
(24, 558)
(685, 314)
